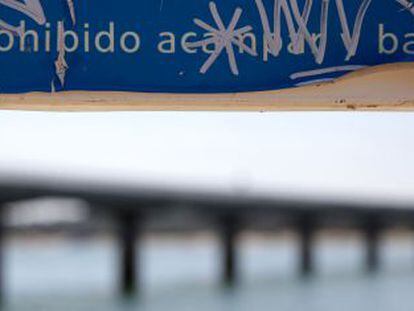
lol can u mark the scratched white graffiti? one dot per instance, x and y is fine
(31, 8)
(274, 40)
(290, 10)
(297, 23)
(351, 41)
(407, 5)
(321, 71)
(311, 74)
(223, 39)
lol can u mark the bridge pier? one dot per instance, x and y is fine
(128, 229)
(229, 233)
(306, 231)
(372, 230)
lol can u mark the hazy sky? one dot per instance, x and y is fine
(333, 153)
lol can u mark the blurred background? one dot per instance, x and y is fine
(62, 252)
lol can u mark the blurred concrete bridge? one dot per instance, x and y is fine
(137, 208)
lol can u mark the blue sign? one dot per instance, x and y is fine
(198, 46)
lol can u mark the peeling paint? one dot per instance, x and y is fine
(61, 65)
(72, 11)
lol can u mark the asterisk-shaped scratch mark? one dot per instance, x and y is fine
(223, 38)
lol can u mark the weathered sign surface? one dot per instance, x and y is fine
(203, 46)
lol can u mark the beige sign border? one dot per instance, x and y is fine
(381, 88)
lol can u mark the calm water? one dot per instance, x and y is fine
(183, 274)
